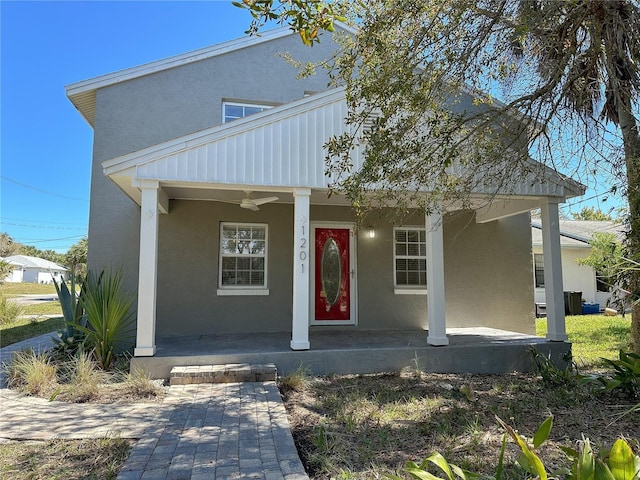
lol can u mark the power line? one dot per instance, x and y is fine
(31, 187)
(49, 239)
(48, 227)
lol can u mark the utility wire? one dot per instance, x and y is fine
(50, 239)
(49, 227)
(31, 187)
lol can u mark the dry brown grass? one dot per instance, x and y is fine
(78, 379)
(362, 427)
(99, 459)
(74, 380)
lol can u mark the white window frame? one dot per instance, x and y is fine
(243, 105)
(407, 289)
(230, 290)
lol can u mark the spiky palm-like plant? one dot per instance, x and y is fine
(108, 314)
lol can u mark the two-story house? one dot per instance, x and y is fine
(208, 187)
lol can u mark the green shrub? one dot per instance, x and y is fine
(70, 339)
(31, 373)
(109, 325)
(9, 310)
(625, 375)
(553, 375)
(617, 463)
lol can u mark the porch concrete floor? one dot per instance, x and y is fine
(470, 350)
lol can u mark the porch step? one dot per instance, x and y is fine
(227, 373)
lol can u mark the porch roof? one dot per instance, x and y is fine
(278, 150)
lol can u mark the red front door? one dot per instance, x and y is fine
(332, 275)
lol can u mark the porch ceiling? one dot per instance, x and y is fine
(234, 194)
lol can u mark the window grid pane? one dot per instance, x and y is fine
(234, 111)
(243, 250)
(410, 257)
(538, 262)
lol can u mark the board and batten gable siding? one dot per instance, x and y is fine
(284, 146)
(287, 152)
(155, 108)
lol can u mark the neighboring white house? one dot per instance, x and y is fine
(16, 274)
(574, 244)
(33, 270)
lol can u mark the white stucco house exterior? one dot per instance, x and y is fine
(16, 273)
(209, 188)
(34, 270)
(575, 236)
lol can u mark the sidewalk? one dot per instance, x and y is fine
(207, 431)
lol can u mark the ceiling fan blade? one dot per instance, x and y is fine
(262, 201)
(249, 206)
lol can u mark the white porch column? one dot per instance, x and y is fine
(147, 272)
(435, 280)
(553, 271)
(301, 262)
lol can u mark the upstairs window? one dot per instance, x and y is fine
(410, 257)
(538, 269)
(232, 111)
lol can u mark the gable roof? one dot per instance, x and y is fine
(10, 262)
(280, 147)
(26, 261)
(577, 233)
(83, 93)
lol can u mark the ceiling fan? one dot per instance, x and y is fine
(253, 203)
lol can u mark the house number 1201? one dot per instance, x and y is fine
(303, 253)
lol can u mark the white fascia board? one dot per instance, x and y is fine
(574, 188)
(272, 115)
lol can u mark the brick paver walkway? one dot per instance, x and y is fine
(206, 431)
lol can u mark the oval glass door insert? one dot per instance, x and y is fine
(331, 271)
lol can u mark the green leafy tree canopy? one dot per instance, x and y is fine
(420, 81)
(592, 213)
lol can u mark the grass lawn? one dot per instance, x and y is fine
(594, 337)
(63, 459)
(46, 308)
(28, 328)
(361, 427)
(11, 289)
(33, 322)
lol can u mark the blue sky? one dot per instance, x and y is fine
(45, 144)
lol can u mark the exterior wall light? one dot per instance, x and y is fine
(372, 232)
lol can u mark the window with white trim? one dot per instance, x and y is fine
(410, 257)
(233, 111)
(243, 256)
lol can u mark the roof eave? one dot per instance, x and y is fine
(82, 94)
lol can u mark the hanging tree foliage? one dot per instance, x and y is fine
(421, 80)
